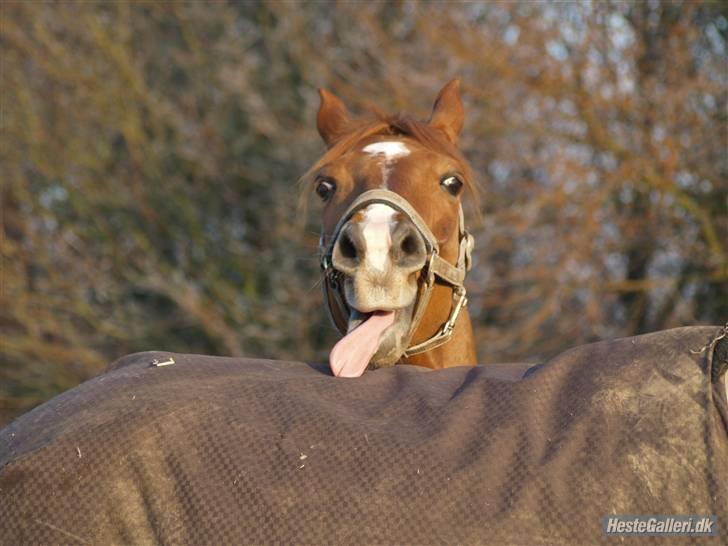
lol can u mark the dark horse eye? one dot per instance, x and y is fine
(325, 188)
(451, 184)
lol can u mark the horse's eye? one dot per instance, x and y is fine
(325, 188)
(451, 184)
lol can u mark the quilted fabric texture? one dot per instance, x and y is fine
(214, 450)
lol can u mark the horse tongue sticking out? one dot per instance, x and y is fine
(351, 355)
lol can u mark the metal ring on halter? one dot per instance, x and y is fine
(435, 268)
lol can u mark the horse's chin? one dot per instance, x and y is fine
(392, 344)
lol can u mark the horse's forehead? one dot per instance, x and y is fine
(381, 161)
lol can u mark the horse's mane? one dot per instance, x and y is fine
(400, 125)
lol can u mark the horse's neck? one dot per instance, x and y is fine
(459, 350)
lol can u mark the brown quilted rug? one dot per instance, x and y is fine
(211, 450)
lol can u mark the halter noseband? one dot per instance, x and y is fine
(435, 268)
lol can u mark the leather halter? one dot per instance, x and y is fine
(435, 269)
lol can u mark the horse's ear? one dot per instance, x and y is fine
(333, 117)
(447, 113)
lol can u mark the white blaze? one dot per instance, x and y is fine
(376, 230)
(388, 151)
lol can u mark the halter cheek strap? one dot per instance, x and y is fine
(435, 269)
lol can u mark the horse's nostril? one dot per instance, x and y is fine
(347, 247)
(409, 245)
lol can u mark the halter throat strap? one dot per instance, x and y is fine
(435, 269)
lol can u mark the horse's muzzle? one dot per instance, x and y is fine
(380, 255)
(402, 247)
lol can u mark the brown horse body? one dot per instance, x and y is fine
(380, 251)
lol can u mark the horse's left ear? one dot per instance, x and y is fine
(447, 113)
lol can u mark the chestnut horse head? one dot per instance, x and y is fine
(394, 249)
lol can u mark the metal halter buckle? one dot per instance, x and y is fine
(449, 326)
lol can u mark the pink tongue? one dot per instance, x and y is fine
(351, 355)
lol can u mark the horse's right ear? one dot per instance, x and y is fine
(333, 117)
